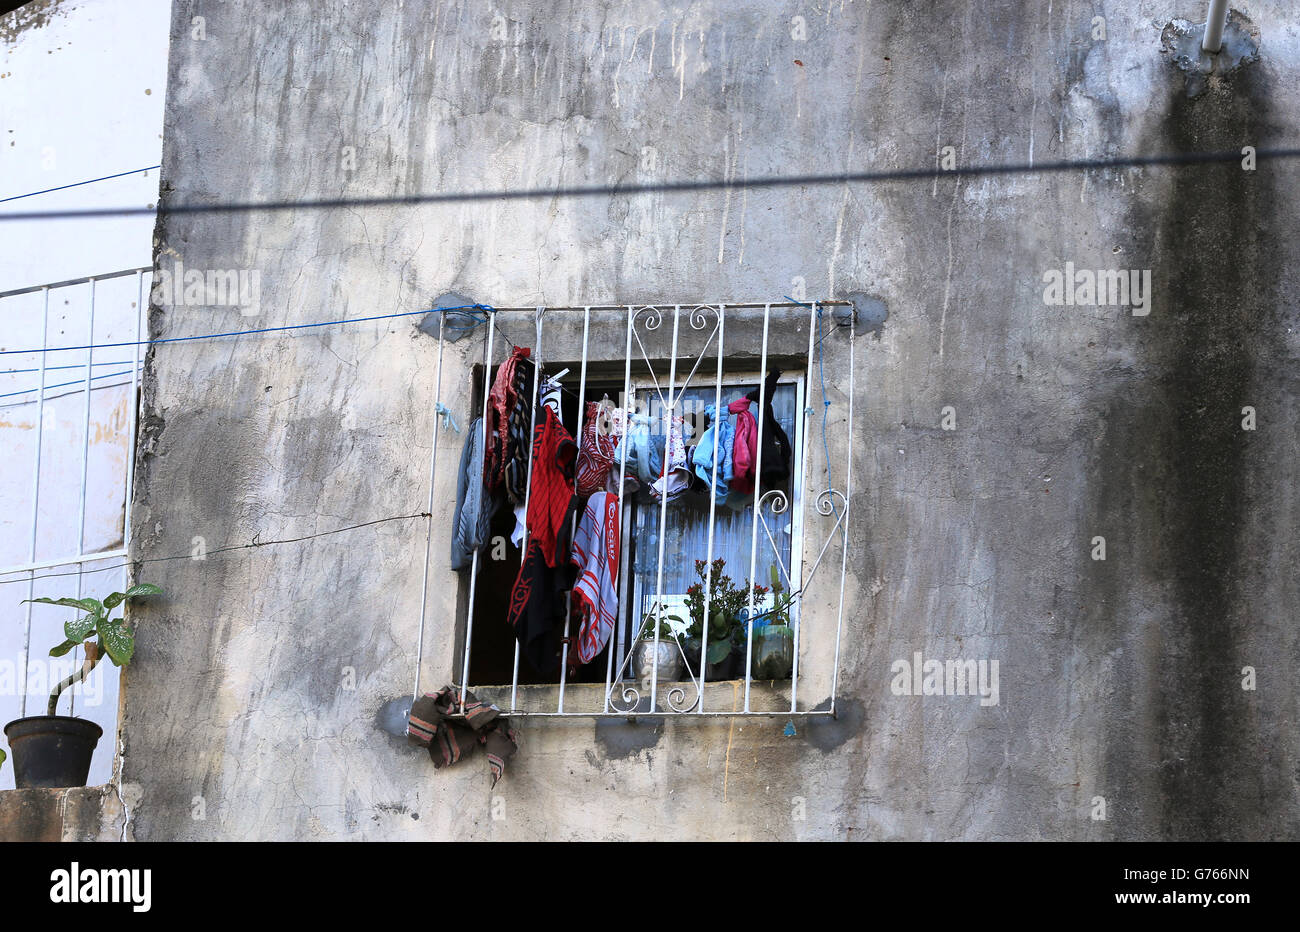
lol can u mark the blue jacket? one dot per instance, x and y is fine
(703, 459)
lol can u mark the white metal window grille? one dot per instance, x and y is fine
(818, 515)
(58, 401)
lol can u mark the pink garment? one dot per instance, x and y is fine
(744, 447)
(596, 554)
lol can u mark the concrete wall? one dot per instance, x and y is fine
(1120, 679)
(82, 84)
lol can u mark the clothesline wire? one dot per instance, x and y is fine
(254, 543)
(239, 333)
(93, 378)
(22, 404)
(77, 184)
(669, 187)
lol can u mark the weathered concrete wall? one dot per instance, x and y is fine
(1120, 678)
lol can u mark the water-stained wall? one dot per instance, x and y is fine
(1098, 496)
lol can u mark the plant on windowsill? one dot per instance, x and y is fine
(728, 609)
(773, 657)
(670, 655)
(55, 750)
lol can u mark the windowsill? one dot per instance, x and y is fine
(726, 696)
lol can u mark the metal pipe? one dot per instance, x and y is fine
(36, 498)
(797, 513)
(663, 508)
(31, 289)
(625, 532)
(85, 468)
(428, 531)
(719, 418)
(528, 482)
(568, 595)
(758, 504)
(848, 498)
(133, 402)
(1214, 24)
(473, 572)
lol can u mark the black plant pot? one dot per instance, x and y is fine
(52, 750)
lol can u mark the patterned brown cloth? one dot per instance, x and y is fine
(439, 722)
(503, 401)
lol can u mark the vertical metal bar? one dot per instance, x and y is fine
(473, 572)
(134, 413)
(624, 584)
(796, 482)
(568, 596)
(428, 530)
(85, 469)
(663, 507)
(719, 418)
(758, 497)
(528, 483)
(36, 498)
(848, 498)
(1214, 22)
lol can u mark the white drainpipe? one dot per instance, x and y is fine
(1214, 26)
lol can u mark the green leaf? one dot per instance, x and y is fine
(718, 651)
(142, 589)
(77, 631)
(93, 606)
(119, 643)
(2, 758)
(63, 648)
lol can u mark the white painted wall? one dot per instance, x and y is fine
(81, 96)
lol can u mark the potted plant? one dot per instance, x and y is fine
(773, 657)
(55, 750)
(670, 655)
(728, 609)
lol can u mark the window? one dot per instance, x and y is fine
(663, 385)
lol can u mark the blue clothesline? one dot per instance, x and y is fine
(243, 333)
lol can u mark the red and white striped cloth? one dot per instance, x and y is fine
(596, 554)
(596, 451)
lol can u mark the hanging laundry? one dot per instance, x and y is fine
(777, 450)
(503, 402)
(551, 490)
(435, 722)
(521, 526)
(518, 441)
(655, 459)
(596, 451)
(472, 516)
(744, 446)
(635, 455)
(545, 574)
(595, 596)
(536, 610)
(703, 456)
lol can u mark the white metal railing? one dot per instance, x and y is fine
(81, 558)
(624, 699)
